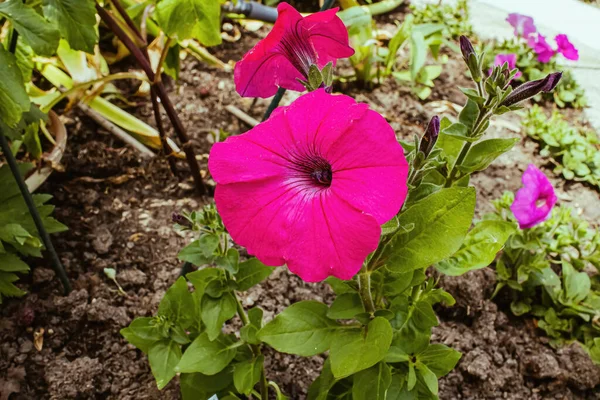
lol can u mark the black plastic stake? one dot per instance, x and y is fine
(56, 264)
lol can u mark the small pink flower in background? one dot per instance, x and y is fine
(566, 48)
(311, 186)
(511, 59)
(534, 201)
(523, 24)
(542, 48)
(288, 51)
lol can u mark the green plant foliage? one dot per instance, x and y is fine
(455, 18)
(546, 268)
(568, 93)
(13, 98)
(76, 20)
(18, 234)
(574, 151)
(187, 19)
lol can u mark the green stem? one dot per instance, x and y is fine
(384, 6)
(364, 290)
(35, 215)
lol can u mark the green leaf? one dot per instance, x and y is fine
(441, 222)
(482, 154)
(428, 377)
(40, 34)
(423, 316)
(577, 285)
(178, 304)
(479, 249)
(354, 350)
(195, 253)
(418, 54)
(203, 277)
(198, 386)
(142, 344)
(459, 131)
(345, 306)
(251, 272)
(303, 329)
(469, 114)
(187, 19)
(230, 261)
(215, 312)
(390, 227)
(6, 285)
(163, 357)
(249, 333)
(206, 356)
(146, 329)
(372, 383)
(399, 38)
(14, 100)
(440, 359)
(11, 263)
(76, 20)
(320, 387)
(247, 373)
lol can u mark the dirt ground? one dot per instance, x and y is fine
(118, 210)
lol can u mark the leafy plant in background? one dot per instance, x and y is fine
(289, 195)
(574, 151)
(454, 17)
(372, 61)
(67, 29)
(550, 271)
(535, 58)
(18, 235)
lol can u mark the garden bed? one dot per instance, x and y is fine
(118, 209)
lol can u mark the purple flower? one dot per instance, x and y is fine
(511, 59)
(523, 24)
(532, 88)
(566, 48)
(542, 48)
(534, 201)
(431, 135)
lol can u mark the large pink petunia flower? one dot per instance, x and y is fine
(566, 48)
(286, 54)
(542, 48)
(534, 201)
(311, 186)
(523, 24)
(510, 58)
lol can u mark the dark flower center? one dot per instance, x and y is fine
(322, 176)
(296, 47)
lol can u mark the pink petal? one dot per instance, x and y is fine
(370, 176)
(330, 238)
(263, 69)
(252, 156)
(523, 24)
(566, 48)
(328, 35)
(536, 189)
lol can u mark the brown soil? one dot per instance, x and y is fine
(118, 209)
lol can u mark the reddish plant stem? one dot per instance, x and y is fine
(167, 150)
(117, 4)
(161, 92)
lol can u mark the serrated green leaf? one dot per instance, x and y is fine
(13, 97)
(11, 263)
(303, 329)
(40, 34)
(76, 20)
(187, 19)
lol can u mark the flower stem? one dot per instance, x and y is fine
(364, 290)
(274, 103)
(35, 215)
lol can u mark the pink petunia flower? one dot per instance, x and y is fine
(566, 48)
(511, 59)
(523, 24)
(534, 201)
(286, 54)
(311, 186)
(542, 48)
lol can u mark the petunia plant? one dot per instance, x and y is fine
(534, 55)
(542, 270)
(324, 187)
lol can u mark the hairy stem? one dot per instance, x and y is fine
(364, 290)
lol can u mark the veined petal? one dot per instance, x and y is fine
(372, 177)
(330, 238)
(328, 35)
